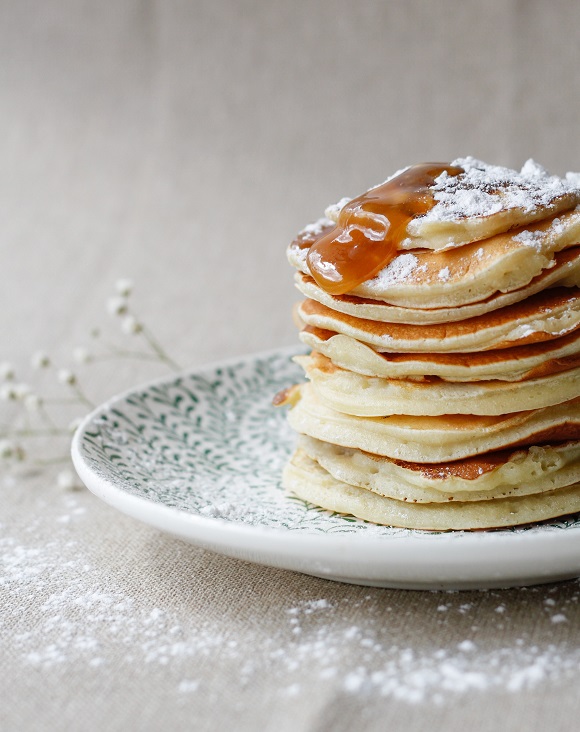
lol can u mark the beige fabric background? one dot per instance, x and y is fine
(182, 144)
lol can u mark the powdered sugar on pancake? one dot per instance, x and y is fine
(399, 270)
(334, 209)
(311, 231)
(533, 239)
(484, 190)
(308, 235)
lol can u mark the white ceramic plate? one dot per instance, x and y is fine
(200, 456)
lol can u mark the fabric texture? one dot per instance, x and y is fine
(183, 144)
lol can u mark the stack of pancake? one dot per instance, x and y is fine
(444, 378)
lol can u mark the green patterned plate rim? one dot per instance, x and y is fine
(200, 455)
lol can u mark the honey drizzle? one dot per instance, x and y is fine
(370, 229)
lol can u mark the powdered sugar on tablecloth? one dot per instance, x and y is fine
(85, 616)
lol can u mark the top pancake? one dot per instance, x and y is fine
(484, 201)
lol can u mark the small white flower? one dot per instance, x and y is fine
(7, 372)
(7, 393)
(131, 325)
(21, 391)
(66, 480)
(117, 306)
(75, 424)
(9, 450)
(6, 449)
(32, 402)
(40, 360)
(67, 377)
(124, 287)
(81, 355)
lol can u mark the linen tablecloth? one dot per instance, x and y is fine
(181, 145)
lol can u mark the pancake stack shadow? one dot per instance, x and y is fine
(443, 392)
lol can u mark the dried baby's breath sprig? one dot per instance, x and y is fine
(119, 306)
(14, 392)
(159, 350)
(82, 355)
(7, 393)
(131, 326)
(65, 376)
(11, 451)
(7, 372)
(33, 403)
(70, 379)
(40, 360)
(39, 418)
(124, 287)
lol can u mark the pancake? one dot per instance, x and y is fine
(469, 274)
(306, 479)
(508, 364)
(431, 439)
(563, 270)
(484, 201)
(367, 396)
(496, 475)
(544, 316)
